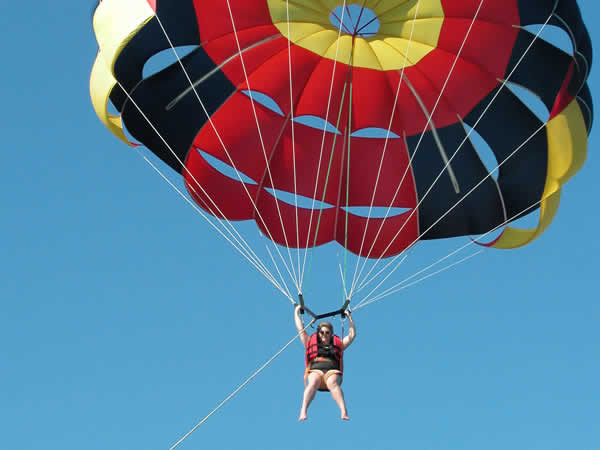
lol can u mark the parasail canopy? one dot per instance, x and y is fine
(353, 121)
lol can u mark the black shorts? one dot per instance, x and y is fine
(324, 364)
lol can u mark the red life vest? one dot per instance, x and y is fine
(312, 350)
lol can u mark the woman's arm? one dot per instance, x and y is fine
(300, 326)
(351, 332)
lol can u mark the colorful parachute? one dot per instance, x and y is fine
(353, 106)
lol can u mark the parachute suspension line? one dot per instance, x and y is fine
(279, 273)
(308, 269)
(330, 163)
(258, 265)
(387, 136)
(210, 121)
(343, 277)
(239, 388)
(244, 248)
(326, 184)
(368, 299)
(337, 48)
(389, 274)
(261, 184)
(465, 196)
(295, 276)
(349, 131)
(343, 161)
(450, 72)
(342, 320)
(348, 143)
(458, 202)
(443, 269)
(429, 118)
(287, 9)
(248, 248)
(502, 85)
(393, 289)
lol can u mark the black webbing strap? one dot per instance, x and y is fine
(340, 311)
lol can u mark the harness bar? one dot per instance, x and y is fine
(340, 311)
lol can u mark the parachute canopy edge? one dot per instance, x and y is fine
(115, 24)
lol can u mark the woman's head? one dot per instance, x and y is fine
(325, 331)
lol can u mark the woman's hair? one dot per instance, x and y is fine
(325, 325)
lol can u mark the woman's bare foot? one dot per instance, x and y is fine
(302, 416)
(345, 416)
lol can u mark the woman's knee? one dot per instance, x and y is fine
(313, 380)
(333, 382)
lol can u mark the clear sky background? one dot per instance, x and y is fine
(124, 319)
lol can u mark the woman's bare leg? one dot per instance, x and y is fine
(333, 384)
(313, 382)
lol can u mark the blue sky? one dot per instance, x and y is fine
(125, 319)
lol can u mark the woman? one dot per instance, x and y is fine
(324, 358)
